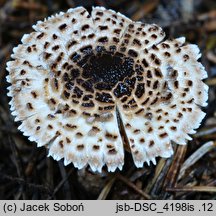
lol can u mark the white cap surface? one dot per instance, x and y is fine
(84, 84)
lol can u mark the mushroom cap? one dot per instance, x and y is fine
(83, 85)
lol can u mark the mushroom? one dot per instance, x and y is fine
(83, 85)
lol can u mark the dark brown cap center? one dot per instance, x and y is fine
(104, 70)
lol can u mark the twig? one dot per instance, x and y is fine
(18, 163)
(106, 189)
(192, 189)
(144, 9)
(49, 173)
(29, 6)
(158, 170)
(205, 132)
(61, 183)
(157, 187)
(133, 186)
(196, 156)
(211, 56)
(173, 172)
(25, 183)
(211, 82)
(66, 185)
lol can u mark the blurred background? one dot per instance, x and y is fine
(27, 173)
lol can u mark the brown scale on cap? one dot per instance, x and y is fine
(83, 84)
